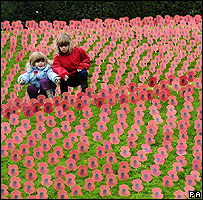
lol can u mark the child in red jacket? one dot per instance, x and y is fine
(71, 64)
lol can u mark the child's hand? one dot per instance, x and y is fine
(22, 81)
(79, 70)
(66, 78)
(58, 80)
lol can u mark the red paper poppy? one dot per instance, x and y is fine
(71, 164)
(146, 175)
(56, 101)
(92, 163)
(4, 191)
(167, 181)
(25, 123)
(107, 146)
(100, 152)
(152, 81)
(123, 98)
(42, 193)
(156, 193)
(29, 187)
(48, 107)
(53, 159)
(15, 182)
(173, 175)
(29, 162)
(65, 106)
(123, 174)
(111, 158)
(72, 100)
(42, 168)
(7, 113)
(70, 180)
(79, 105)
(107, 169)
(28, 111)
(46, 180)
(177, 167)
(183, 80)
(111, 101)
(191, 76)
(135, 163)
(179, 194)
(38, 153)
(76, 190)
(82, 148)
(118, 129)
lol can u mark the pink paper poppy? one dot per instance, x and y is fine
(14, 119)
(84, 123)
(58, 151)
(85, 140)
(76, 190)
(190, 180)
(46, 180)
(79, 130)
(104, 190)
(24, 149)
(56, 133)
(168, 136)
(137, 185)
(173, 175)
(51, 139)
(59, 112)
(62, 194)
(167, 181)
(124, 165)
(149, 139)
(155, 170)
(60, 171)
(38, 153)
(163, 152)
(73, 137)
(56, 101)
(97, 175)
(87, 112)
(118, 129)
(70, 180)
(111, 180)
(100, 152)
(72, 100)
(16, 194)
(111, 158)
(15, 155)
(107, 169)
(181, 160)
(40, 126)
(13, 170)
(92, 163)
(123, 174)
(82, 148)
(104, 117)
(31, 142)
(158, 159)
(135, 163)
(97, 136)
(156, 193)
(40, 116)
(65, 96)
(146, 175)
(15, 182)
(196, 175)
(50, 122)
(179, 194)
(59, 184)
(167, 145)
(114, 138)
(141, 155)
(187, 189)
(53, 159)
(125, 152)
(25, 123)
(70, 116)
(31, 175)
(45, 145)
(123, 190)
(29, 187)
(67, 144)
(4, 191)
(17, 138)
(71, 164)
(107, 146)
(177, 166)
(89, 184)
(42, 193)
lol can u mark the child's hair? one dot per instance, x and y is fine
(64, 40)
(35, 57)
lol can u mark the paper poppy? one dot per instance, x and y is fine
(46, 180)
(59, 184)
(156, 193)
(41, 99)
(190, 180)
(17, 138)
(104, 117)
(40, 116)
(111, 180)
(183, 80)
(50, 121)
(181, 160)
(40, 126)
(167, 181)
(123, 174)
(87, 112)
(62, 194)
(177, 166)
(137, 185)
(82, 148)
(38, 153)
(141, 155)
(123, 190)
(100, 152)
(97, 175)
(16, 194)
(28, 111)
(15, 182)
(45, 145)
(14, 119)
(123, 98)
(13, 170)
(107, 146)
(67, 144)
(158, 159)
(42, 193)
(92, 163)
(58, 151)
(187, 189)
(71, 164)
(146, 175)
(30, 175)
(31, 142)
(118, 129)
(76, 190)
(73, 137)
(42, 168)
(15, 155)
(163, 152)
(4, 191)
(79, 104)
(51, 139)
(24, 149)
(5, 127)
(101, 126)
(89, 184)
(65, 105)
(59, 112)
(56, 101)
(29, 187)
(104, 190)
(56, 133)
(152, 81)
(70, 180)
(79, 130)
(72, 100)
(191, 76)
(107, 169)
(48, 107)
(111, 158)
(70, 116)
(114, 138)
(179, 194)
(155, 170)
(84, 123)
(135, 163)
(167, 145)
(53, 159)
(173, 175)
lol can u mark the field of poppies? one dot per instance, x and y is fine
(137, 131)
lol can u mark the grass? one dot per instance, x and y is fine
(146, 193)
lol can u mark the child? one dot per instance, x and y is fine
(71, 64)
(40, 76)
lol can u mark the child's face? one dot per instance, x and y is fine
(64, 48)
(40, 63)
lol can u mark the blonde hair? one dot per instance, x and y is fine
(37, 56)
(64, 39)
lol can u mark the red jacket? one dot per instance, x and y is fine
(68, 64)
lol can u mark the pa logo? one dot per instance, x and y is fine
(194, 194)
